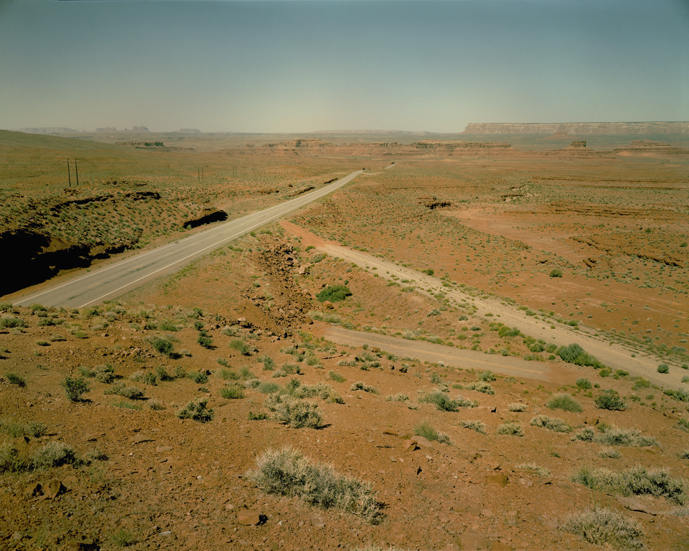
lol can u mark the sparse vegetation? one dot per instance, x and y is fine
(564, 402)
(603, 526)
(444, 403)
(551, 423)
(634, 481)
(510, 429)
(196, 410)
(15, 379)
(426, 430)
(478, 426)
(610, 400)
(75, 388)
(517, 408)
(293, 412)
(288, 472)
(334, 293)
(232, 392)
(337, 377)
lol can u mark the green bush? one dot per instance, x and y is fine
(583, 383)
(9, 322)
(75, 388)
(131, 392)
(293, 412)
(510, 429)
(555, 272)
(602, 526)
(663, 368)
(610, 400)
(53, 454)
(289, 473)
(337, 377)
(10, 462)
(196, 410)
(444, 403)
(486, 376)
(359, 385)
(635, 481)
(28, 428)
(429, 433)
(624, 437)
(15, 379)
(232, 392)
(240, 346)
(163, 346)
(564, 402)
(334, 293)
(267, 387)
(575, 354)
(551, 423)
(205, 341)
(200, 377)
(517, 408)
(478, 426)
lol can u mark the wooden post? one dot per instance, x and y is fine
(69, 175)
(76, 169)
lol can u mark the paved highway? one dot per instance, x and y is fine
(121, 277)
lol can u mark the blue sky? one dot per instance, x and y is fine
(301, 66)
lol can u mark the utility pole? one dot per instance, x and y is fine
(76, 169)
(69, 175)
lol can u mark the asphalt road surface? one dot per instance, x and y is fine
(118, 278)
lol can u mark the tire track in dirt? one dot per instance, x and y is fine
(613, 355)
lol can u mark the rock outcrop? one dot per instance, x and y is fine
(580, 128)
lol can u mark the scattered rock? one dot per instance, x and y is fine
(250, 518)
(636, 505)
(33, 490)
(161, 449)
(497, 480)
(526, 482)
(410, 445)
(421, 441)
(53, 489)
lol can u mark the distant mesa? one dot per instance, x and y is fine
(47, 130)
(578, 144)
(189, 131)
(579, 128)
(649, 146)
(107, 129)
(559, 136)
(140, 129)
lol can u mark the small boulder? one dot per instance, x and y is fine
(250, 518)
(497, 480)
(53, 489)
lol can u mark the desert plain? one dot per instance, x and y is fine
(480, 342)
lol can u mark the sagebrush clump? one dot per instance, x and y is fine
(287, 472)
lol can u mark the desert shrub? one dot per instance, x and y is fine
(9, 322)
(123, 538)
(485, 388)
(268, 363)
(603, 526)
(586, 435)
(104, 373)
(477, 426)
(555, 272)
(268, 388)
(610, 400)
(240, 346)
(232, 392)
(200, 377)
(196, 410)
(5, 306)
(624, 437)
(397, 398)
(334, 293)
(53, 454)
(517, 408)
(540, 471)
(551, 423)
(75, 388)
(287, 472)
(684, 454)
(486, 376)
(575, 354)
(337, 377)
(163, 375)
(156, 405)
(145, 377)
(167, 325)
(634, 481)
(663, 368)
(205, 341)
(257, 416)
(291, 369)
(583, 383)
(10, 462)
(505, 331)
(359, 385)
(640, 383)
(444, 403)
(321, 390)
(683, 424)
(564, 402)
(131, 392)
(15, 379)
(510, 429)
(426, 430)
(609, 453)
(163, 346)
(28, 428)
(293, 412)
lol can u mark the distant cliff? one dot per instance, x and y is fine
(580, 128)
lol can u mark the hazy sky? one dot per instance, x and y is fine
(300, 66)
